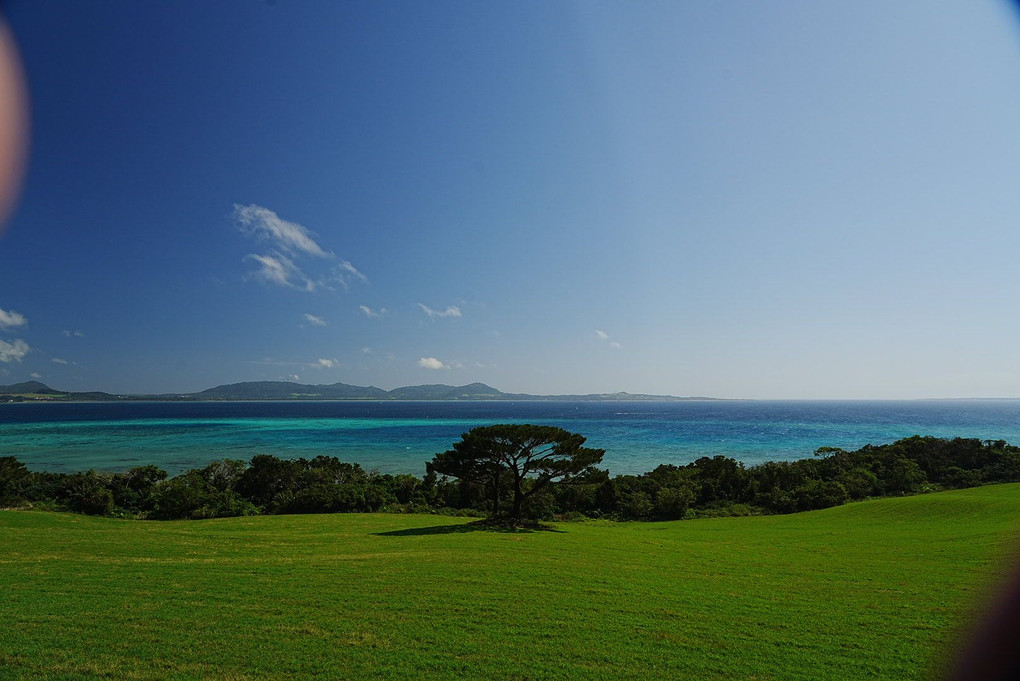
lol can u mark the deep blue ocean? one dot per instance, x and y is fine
(399, 437)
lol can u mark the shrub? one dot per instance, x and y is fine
(859, 482)
(636, 505)
(671, 503)
(88, 493)
(820, 494)
(14, 478)
(190, 496)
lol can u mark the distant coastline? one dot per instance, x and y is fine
(276, 391)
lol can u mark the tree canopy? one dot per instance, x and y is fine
(519, 458)
(483, 479)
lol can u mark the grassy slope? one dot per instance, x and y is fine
(868, 590)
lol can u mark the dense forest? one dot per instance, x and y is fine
(706, 487)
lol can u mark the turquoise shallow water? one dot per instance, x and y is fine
(399, 437)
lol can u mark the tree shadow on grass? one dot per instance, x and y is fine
(476, 526)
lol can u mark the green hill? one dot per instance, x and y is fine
(868, 590)
(34, 390)
(28, 387)
(284, 390)
(472, 391)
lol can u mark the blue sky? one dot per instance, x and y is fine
(733, 199)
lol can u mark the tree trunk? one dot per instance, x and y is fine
(518, 498)
(495, 496)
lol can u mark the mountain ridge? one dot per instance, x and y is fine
(288, 391)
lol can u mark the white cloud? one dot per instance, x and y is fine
(270, 361)
(279, 269)
(57, 360)
(450, 311)
(342, 274)
(74, 334)
(431, 363)
(293, 378)
(35, 374)
(265, 225)
(367, 350)
(315, 321)
(369, 312)
(13, 352)
(12, 319)
(288, 243)
(326, 363)
(602, 335)
(346, 266)
(345, 271)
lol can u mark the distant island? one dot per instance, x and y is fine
(34, 391)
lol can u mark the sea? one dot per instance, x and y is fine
(400, 437)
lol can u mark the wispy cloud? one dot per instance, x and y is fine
(431, 363)
(279, 269)
(369, 312)
(265, 225)
(345, 272)
(36, 375)
(57, 360)
(326, 364)
(450, 311)
(603, 336)
(288, 243)
(271, 361)
(13, 352)
(315, 321)
(11, 319)
(72, 334)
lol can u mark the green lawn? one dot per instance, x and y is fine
(869, 590)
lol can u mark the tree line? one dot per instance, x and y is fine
(526, 472)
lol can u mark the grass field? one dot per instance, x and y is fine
(869, 590)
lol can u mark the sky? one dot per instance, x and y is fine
(728, 199)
